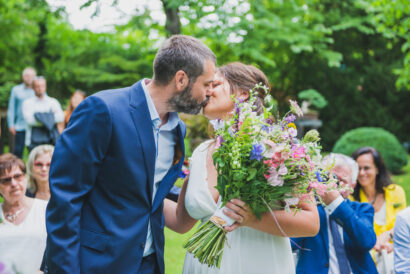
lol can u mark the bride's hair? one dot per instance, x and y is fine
(243, 78)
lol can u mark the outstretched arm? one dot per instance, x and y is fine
(290, 224)
(176, 215)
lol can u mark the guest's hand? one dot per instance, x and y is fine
(383, 242)
(12, 131)
(240, 212)
(330, 196)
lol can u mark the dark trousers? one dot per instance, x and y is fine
(19, 141)
(149, 265)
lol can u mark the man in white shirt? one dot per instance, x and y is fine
(346, 229)
(39, 104)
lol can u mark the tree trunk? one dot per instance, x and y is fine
(173, 24)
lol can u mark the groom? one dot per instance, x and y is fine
(116, 161)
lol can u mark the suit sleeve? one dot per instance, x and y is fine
(358, 224)
(75, 165)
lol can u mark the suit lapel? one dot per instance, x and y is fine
(143, 124)
(323, 228)
(171, 176)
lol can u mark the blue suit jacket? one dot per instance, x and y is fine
(101, 181)
(358, 236)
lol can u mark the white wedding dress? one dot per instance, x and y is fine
(247, 251)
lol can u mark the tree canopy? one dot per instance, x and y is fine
(355, 53)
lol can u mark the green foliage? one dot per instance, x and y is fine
(386, 143)
(356, 53)
(314, 97)
(198, 130)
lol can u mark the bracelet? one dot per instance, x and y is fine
(391, 235)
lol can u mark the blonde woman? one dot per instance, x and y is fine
(38, 168)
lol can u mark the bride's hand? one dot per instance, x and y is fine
(239, 212)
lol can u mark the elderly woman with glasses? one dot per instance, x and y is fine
(22, 220)
(38, 168)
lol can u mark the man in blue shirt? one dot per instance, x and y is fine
(15, 119)
(401, 240)
(346, 229)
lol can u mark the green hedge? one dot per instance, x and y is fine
(386, 143)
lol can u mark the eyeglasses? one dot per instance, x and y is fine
(41, 165)
(7, 180)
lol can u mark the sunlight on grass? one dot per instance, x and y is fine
(404, 180)
(174, 253)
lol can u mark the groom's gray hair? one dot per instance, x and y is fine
(181, 52)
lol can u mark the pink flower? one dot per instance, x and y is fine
(321, 189)
(298, 152)
(273, 178)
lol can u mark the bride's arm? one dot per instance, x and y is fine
(304, 223)
(176, 215)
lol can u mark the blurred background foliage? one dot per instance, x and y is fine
(355, 53)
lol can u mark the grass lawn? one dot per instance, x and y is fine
(404, 180)
(174, 253)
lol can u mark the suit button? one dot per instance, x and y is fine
(326, 265)
(142, 245)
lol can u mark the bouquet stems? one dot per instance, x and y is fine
(207, 243)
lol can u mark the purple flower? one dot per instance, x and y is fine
(219, 141)
(319, 178)
(256, 153)
(269, 121)
(266, 128)
(290, 118)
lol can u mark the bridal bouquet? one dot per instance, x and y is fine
(260, 161)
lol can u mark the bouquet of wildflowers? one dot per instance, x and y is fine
(260, 161)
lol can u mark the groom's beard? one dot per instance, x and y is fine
(184, 102)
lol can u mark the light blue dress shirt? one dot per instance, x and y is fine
(401, 241)
(15, 117)
(165, 140)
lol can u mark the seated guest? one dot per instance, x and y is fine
(38, 168)
(374, 186)
(346, 229)
(22, 228)
(401, 242)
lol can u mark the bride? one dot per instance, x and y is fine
(253, 246)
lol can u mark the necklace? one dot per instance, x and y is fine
(374, 200)
(11, 217)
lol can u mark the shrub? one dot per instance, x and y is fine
(313, 97)
(386, 143)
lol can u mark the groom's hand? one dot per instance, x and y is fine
(239, 212)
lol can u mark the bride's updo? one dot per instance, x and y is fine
(243, 78)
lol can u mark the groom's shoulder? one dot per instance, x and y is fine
(115, 96)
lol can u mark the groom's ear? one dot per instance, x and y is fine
(181, 80)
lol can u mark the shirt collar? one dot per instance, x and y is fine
(173, 117)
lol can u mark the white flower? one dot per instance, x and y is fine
(290, 202)
(282, 170)
(292, 132)
(294, 107)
